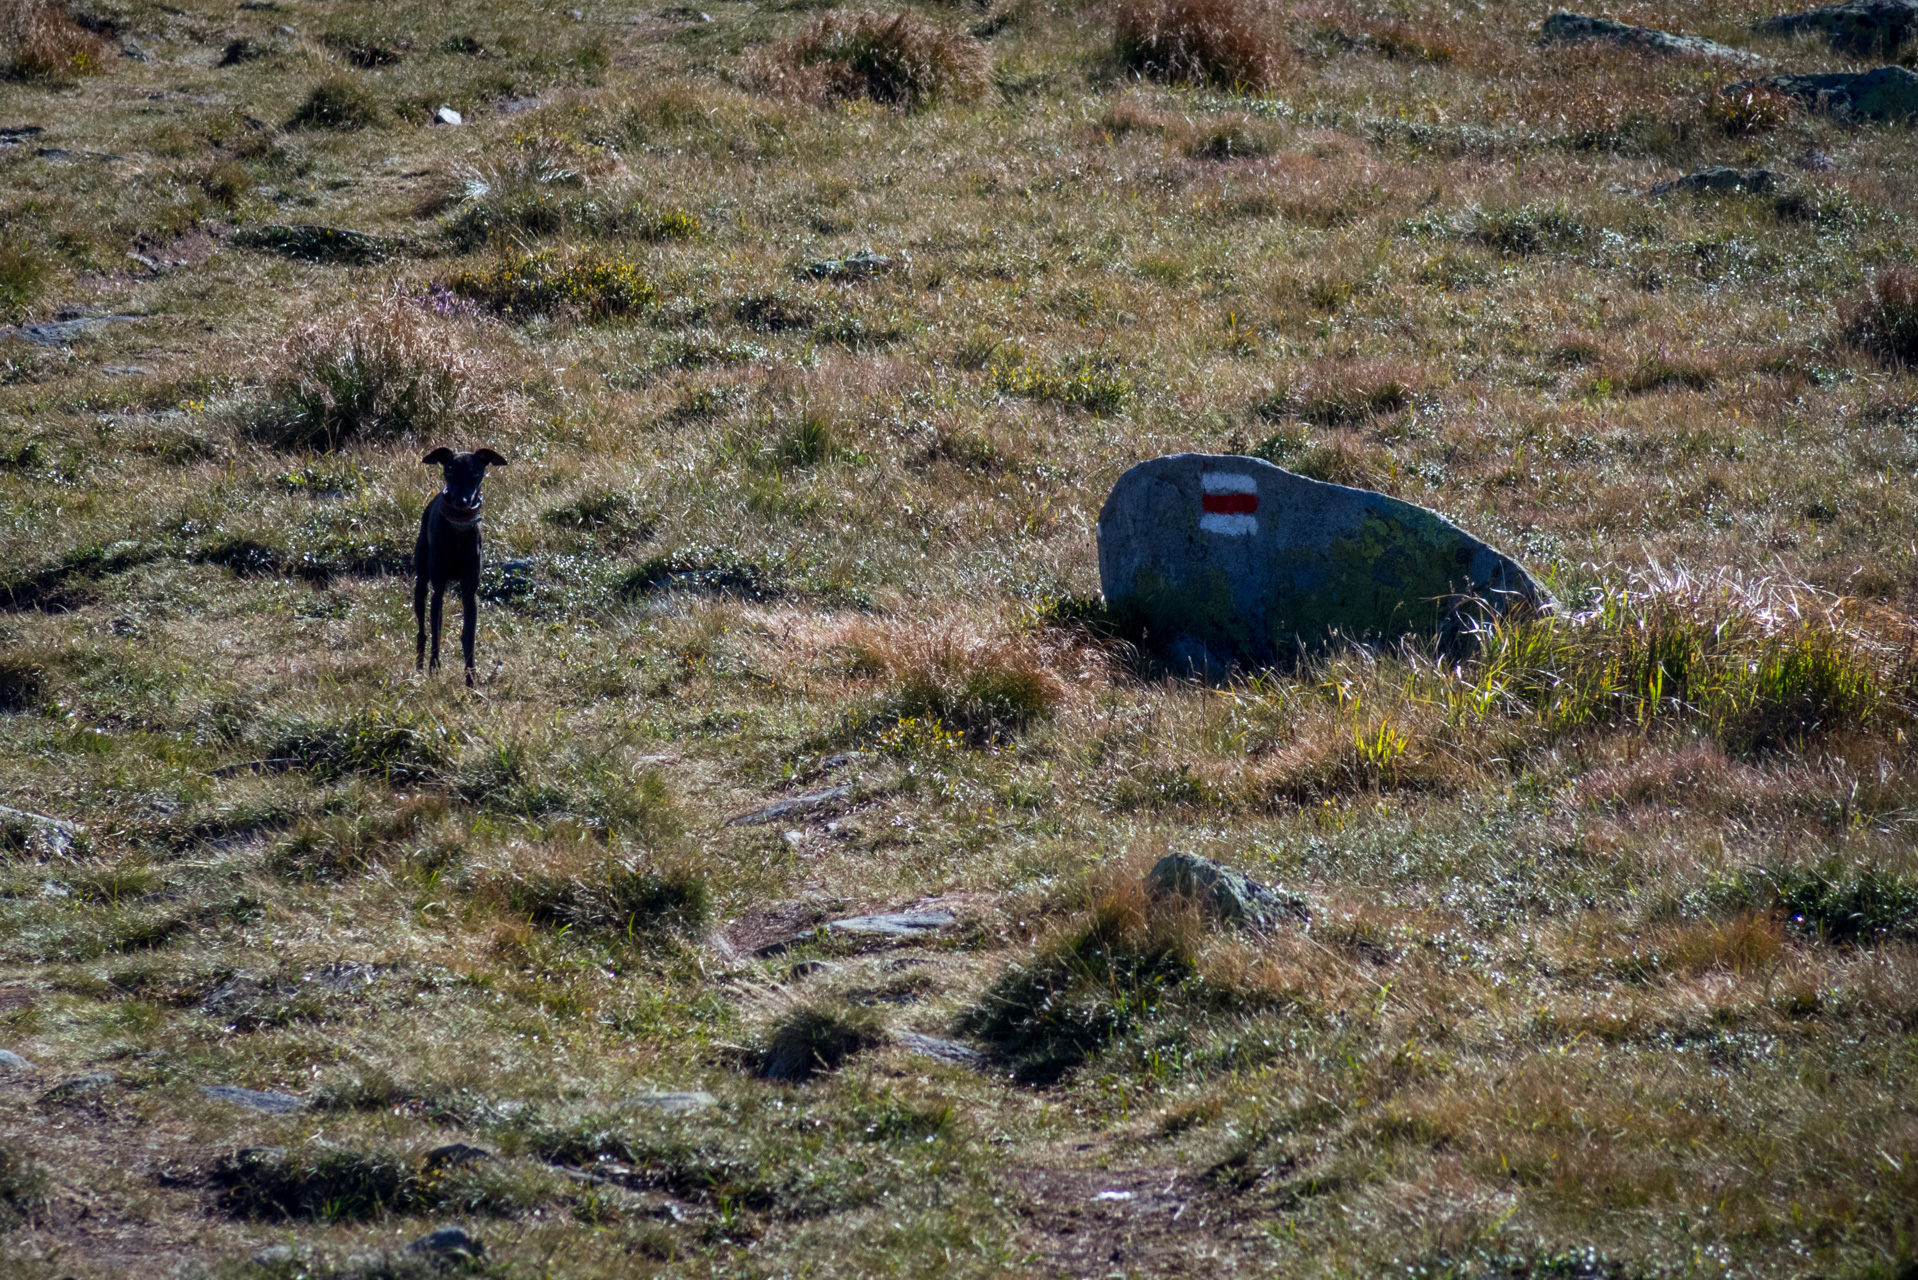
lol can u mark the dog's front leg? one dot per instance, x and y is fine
(469, 615)
(439, 600)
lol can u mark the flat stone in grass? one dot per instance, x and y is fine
(671, 1102)
(1571, 28)
(1865, 27)
(1889, 93)
(11, 1061)
(1719, 180)
(271, 1101)
(1226, 561)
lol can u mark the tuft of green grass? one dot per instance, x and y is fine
(1756, 680)
(1090, 382)
(371, 741)
(581, 283)
(818, 1038)
(23, 1188)
(609, 897)
(22, 682)
(1105, 971)
(339, 102)
(344, 1185)
(23, 274)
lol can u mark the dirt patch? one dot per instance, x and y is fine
(1153, 1221)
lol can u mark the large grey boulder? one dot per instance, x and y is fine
(1866, 27)
(1889, 93)
(1569, 28)
(1223, 893)
(1227, 561)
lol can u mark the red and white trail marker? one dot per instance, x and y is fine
(1228, 503)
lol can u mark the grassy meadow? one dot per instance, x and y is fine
(1612, 961)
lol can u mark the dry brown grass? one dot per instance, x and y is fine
(40, 41)
(1883, 319)
(388, 371)
(900, 60)
(983, 688)
(1229, 43)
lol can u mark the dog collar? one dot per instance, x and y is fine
(458, 515)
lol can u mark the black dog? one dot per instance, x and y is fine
(449, 547)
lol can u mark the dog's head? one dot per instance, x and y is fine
(465, 472)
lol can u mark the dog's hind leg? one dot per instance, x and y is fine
(419, 614)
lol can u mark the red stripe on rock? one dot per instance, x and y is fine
(1230, 504)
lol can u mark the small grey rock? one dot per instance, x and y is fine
(449, 1243)
(12, 1061)
(794, 804)
(274, 1255)
(670, 1102)
(61, 333)
(134, 52)
(1887, 94)
(78, 1088)
(947, 1051)
(894, 924)
(1720, 179)
(858, 266)
(446, 115)
(271, 1101)
(1223, 892)
(1563, 28)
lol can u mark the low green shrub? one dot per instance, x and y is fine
(339, 102)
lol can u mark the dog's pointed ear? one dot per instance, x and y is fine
(438, 458)
(490, 458)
